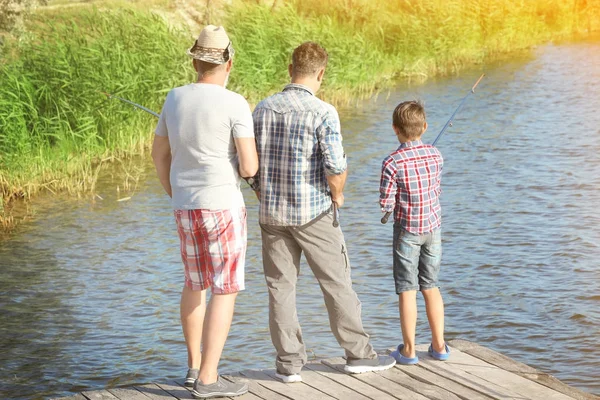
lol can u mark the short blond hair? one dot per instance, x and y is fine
(409, 118)
(308, 59)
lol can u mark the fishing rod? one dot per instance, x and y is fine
(336, 221)
(385, 218)
(149, 111)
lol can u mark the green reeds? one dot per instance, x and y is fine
(56, 128)
(55, 124)
(373, 43)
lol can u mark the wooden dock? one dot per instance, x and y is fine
(473, 372)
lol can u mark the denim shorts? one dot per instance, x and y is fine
(417, 259)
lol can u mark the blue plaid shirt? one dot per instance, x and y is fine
(299, 143)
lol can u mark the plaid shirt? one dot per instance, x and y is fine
(299, 143)
(410, 186)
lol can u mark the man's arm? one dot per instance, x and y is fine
(247, 156)
(161, 155)
(336, 185)
(334, 158)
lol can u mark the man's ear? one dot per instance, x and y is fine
(320, 75)
(290, 70)
(195, 64)
(229, 65)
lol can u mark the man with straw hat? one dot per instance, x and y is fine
(204, 143)
(302, 175)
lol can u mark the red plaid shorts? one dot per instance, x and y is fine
(213, 248)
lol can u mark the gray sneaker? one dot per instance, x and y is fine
(361, 365)
(221, 388)
(191, 377)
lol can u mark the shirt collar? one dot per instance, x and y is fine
(297, 86)
(410, 144)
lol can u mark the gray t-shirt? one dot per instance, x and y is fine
(201, 121)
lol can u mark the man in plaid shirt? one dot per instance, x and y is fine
(302, 171)
(410, 187)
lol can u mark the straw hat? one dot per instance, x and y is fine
(212, 46)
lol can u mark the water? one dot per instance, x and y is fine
(89, 290)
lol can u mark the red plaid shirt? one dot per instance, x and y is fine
(410, 186)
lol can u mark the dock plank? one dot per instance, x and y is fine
(501, 377)
(328, 386)
(128, 393)
(308, 390)
(501, 361)
(294, 391)
(256, 389)
(77, 396)
(424, 375)
(99, 395)
(427, 389)
(449, 370)
(377, 381)
(153, 392)
(349, 382)
(175, 390)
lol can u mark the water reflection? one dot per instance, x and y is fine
(89, 292)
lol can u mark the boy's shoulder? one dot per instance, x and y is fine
(420, 149)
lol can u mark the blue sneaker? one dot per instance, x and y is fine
(400, 359)
(439, 356)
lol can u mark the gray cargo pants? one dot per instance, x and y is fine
(325, 251)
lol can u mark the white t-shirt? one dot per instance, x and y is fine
(201, 121)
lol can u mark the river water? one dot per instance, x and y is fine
(89, 289)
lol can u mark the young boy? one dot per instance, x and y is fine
(410, 187)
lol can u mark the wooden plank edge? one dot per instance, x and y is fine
(516, 367)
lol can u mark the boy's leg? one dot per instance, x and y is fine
(281, 263)
(435, 315)
(407, 248)
(407, 305)
(429, 268)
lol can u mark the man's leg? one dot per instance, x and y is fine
(281, 263)
(192, 310)
(193, 296)
(224, 254)
(325, 251)
(216, 328)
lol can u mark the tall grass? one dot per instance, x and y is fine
(373, 43)
(56, 127)
(55, 124)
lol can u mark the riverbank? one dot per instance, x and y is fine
(57, 129)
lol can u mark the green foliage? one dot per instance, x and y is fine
(52, 111)
(372, 43)
(55, 124)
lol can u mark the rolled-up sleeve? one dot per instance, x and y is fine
(388, 185)
(330, 142)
